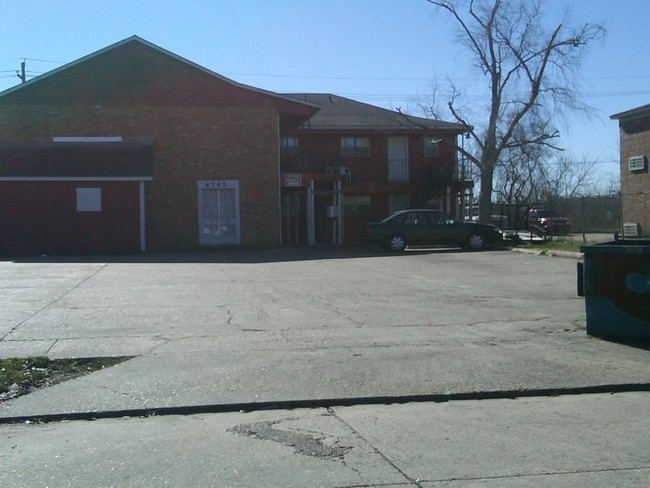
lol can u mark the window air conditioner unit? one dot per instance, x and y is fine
(631, 229)
(344, 170)
(636, 163)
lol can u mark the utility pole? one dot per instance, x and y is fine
(21, 74)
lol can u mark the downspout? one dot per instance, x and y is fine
(279, 173)
(143, 227)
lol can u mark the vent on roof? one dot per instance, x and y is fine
(636, 163)
(631, 229)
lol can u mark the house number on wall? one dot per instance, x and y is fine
(218, 184)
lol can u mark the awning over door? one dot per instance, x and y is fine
(67, 160)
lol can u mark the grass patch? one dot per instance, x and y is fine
(19, 376)
(553, 244)
(560, 245)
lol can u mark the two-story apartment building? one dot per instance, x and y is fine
(133, 148)
(634, 128)
(352, 163)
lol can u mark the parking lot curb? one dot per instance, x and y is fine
(558, 254)
(327, 403)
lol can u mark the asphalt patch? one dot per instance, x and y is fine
(308, 445)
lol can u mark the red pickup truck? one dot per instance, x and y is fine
(548, 220)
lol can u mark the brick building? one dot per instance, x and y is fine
(133, 148)
(353, 162)
(634, 127)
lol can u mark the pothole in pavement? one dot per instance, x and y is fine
(309, 445)
(20, 376)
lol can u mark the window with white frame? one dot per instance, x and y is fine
(431, 147)
(355, 147)
(289, 146)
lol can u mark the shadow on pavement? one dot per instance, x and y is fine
(243, 256)
(636, 343)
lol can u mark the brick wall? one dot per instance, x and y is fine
(190, 144)
(320, 149)
(635, 186)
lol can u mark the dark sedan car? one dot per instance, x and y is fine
(424, 226)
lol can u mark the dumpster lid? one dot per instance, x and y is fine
(623, 246)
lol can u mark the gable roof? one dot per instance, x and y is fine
(641, 111)
(104, 70)
(344, 113)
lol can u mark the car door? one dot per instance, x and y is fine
(414, 225)
(444, 229)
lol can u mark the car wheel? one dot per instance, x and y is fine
(396, 243)
(476, 241)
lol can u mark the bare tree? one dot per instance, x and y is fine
(531, 75)
(518, 173)
(564, 179)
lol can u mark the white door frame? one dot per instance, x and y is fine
(234, 238)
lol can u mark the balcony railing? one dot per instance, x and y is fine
(398, 170)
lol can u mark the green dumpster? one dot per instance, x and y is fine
(616, 285)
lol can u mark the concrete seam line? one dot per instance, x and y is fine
(329, 403)
(358, 434)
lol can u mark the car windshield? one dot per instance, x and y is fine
(390, 216)
(430, 216)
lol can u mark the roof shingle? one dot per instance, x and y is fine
(344, 113)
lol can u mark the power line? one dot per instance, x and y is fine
(387, 78)
(41, 60)
(378, 97)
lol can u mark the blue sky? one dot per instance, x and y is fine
(385, 52)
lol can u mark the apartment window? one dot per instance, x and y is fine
(357, 204)
(355, 147)
(289, 146)
(431, 147)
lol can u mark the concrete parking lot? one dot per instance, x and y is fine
(253, 328)
(279, 325)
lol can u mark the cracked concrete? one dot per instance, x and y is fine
(309, 444)
(580, 441)
(411, 324)
(234, 329)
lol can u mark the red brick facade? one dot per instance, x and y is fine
(202, 127)
(428, 177)
(197, 155)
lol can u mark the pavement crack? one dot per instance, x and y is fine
(51, 346)
(539, 474)
(375, 449)
(56, 300)
(511, 321)
(124, 394)
(229, 321)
